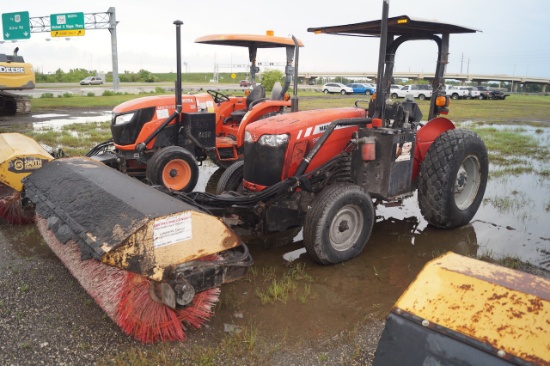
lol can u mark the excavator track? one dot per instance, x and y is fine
(12, 104)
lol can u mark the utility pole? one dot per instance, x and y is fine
(114, 49)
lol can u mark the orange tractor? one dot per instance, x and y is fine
(164, 139)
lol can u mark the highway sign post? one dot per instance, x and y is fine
(67, 25)
(16, 26)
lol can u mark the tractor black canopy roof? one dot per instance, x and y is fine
(397, 26)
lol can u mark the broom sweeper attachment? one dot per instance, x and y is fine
(153, 263)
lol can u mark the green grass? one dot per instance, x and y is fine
(509, 203)
(513, 109)
(293, 284)
(243, 346)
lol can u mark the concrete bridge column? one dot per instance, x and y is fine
(543, 90)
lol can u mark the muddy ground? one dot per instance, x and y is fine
(333, 316)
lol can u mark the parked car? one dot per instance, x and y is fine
(457, 92)
(245, 83)
(420, 91)
(368, 89)
(395, 87)
(91, 80)
(473, 93)
(486, 93)
(336, 88)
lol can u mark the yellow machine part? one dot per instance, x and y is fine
(16, 76)
(504, 309)
(19, 156)
(173, 239)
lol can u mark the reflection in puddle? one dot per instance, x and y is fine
(293, 255)
(56, 121)
(22, 241)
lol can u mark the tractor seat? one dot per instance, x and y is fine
(257, 93)
(415, 115)
(276, 91)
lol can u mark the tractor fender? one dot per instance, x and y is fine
(425, 136)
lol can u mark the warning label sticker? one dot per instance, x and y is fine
(403, 151)
(172, 230)
(162, 113)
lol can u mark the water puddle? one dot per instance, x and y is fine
(56, 121)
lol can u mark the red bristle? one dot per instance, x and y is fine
(11, 208)
(125, 296)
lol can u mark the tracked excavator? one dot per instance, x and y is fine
(15, 74)
(154, 258)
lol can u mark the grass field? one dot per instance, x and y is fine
(515, 108)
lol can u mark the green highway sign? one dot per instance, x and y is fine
(16, 26)
(67, 22)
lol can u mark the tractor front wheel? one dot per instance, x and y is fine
(232, 178)
(338, 224)
(452, 179)
(173, 167)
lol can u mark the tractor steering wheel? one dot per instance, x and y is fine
(218, 97)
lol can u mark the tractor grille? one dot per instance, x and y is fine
(264, 164)
(127, 133)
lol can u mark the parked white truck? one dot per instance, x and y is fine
(420, 91)
(457, 92)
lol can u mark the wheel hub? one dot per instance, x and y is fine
(461, 180)
(467, 183)
(346, 227)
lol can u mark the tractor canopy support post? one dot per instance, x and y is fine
(380, 100)
(294, 100)
(252, 51)
(442, 61)
(177, 87)
(178, 24)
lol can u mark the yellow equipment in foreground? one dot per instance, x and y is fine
(19, 157)
(462, 311)
(15, 74)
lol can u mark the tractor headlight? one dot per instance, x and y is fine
(273, 140)
(247, 136)
(123, 118)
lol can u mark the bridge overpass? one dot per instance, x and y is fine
(516, 81)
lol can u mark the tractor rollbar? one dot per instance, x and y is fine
(177, 113)
(339, 122)
(382, 83)
(294, 99)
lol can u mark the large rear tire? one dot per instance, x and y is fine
(453, 178)
(232, 178)
(173, 167)
(339, 223)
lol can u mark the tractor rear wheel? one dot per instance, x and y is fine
(339, 223)
(173, 167)
(452, 179)
(232, 178)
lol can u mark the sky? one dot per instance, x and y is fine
(513, 37)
